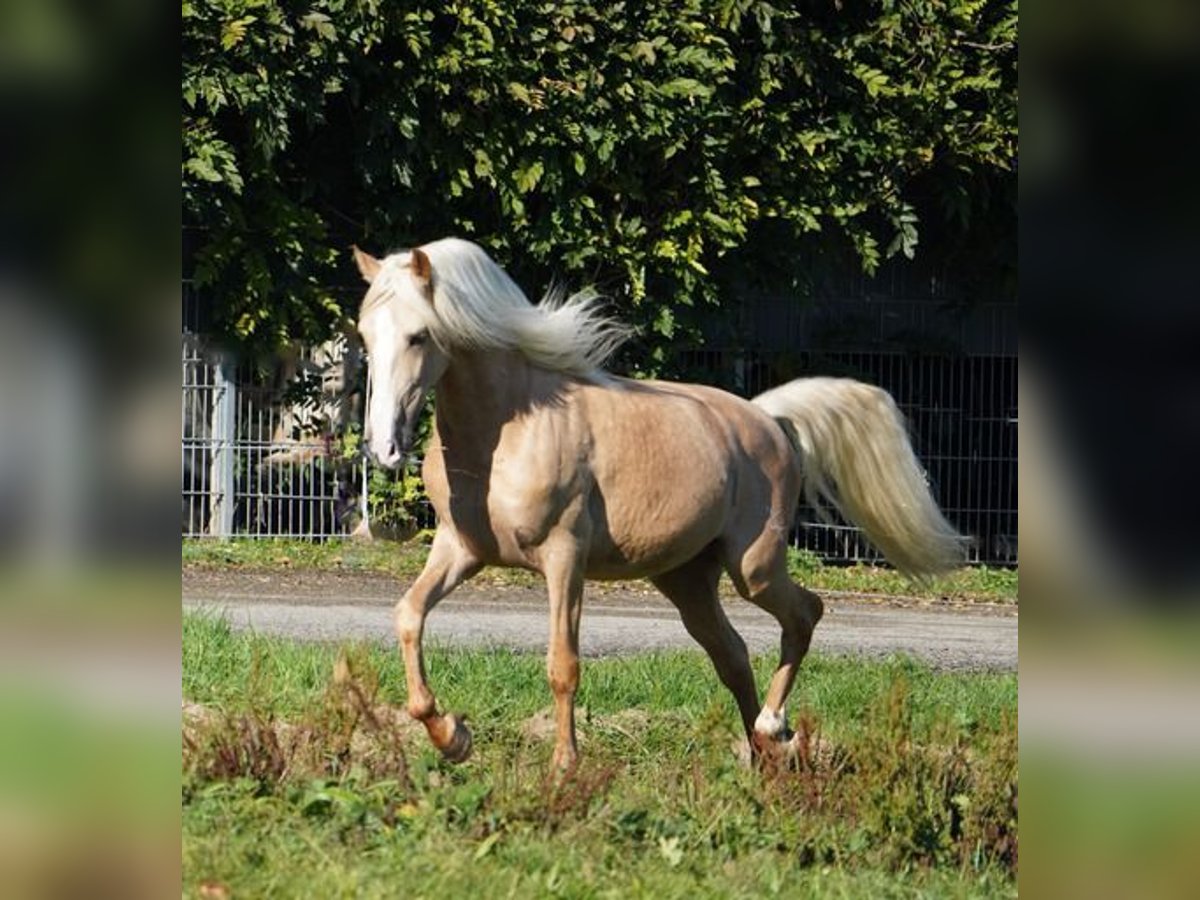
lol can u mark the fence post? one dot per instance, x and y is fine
(223, 433)
(366, 503)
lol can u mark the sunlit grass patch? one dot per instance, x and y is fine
(404, 560)
(909, 787)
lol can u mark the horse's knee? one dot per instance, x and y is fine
(408, 622)
(563, 676)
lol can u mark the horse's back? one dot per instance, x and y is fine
(674, 466)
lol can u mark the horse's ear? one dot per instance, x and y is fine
(368, 265)
(420, 264)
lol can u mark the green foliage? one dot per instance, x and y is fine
(650, 147)
(984, 583)
(394, 499)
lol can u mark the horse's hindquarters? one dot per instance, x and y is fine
(675, 469)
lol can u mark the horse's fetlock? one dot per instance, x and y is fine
(422, 706)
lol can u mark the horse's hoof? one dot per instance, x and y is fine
(563, 765)
(783, 752)
(458, 748)
(788, 750)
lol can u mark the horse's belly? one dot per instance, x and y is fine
(642, 559)
(664, 487)
(656, 529)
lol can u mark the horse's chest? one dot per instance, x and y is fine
(501, 513)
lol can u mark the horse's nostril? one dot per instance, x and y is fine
(388, 455)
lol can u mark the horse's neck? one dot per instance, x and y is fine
(485, 389)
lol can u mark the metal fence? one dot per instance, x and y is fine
(961, 414)
(263, 454)
(952, 370)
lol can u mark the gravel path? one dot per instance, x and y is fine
(317, 605)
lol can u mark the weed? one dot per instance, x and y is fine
(346, 732)
(237, 746)
(906, 802)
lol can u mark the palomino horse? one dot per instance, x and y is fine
(541, 460)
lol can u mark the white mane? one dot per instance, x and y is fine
(478, 306)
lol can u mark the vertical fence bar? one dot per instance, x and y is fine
(223, 435)
(364, 500)
(257, 456)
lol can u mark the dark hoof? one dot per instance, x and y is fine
(458, 748)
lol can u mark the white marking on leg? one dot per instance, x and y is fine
(771, 723)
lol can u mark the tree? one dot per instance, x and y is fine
(638, 145)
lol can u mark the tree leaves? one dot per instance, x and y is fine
(579, 141)
(905, 239)
(527, 177)
(875, 81)
(321, 24)
(234, 31)
(685, 87)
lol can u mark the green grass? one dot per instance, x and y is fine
(403, 560)
(911, 790)
(974, 584)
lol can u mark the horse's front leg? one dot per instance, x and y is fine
(449, 564)
(563, 568)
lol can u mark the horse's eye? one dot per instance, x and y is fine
(416, 340)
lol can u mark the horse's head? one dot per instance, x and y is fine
(404, 361)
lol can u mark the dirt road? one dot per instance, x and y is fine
(314, 605)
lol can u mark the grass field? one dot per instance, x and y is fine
(296, 783)
(975, 584)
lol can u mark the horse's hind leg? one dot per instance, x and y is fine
(448, 565)
(693, 589)
(760, 575)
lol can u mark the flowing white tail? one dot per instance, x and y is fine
(856, 455)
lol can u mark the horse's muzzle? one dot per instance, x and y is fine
(394, 451)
